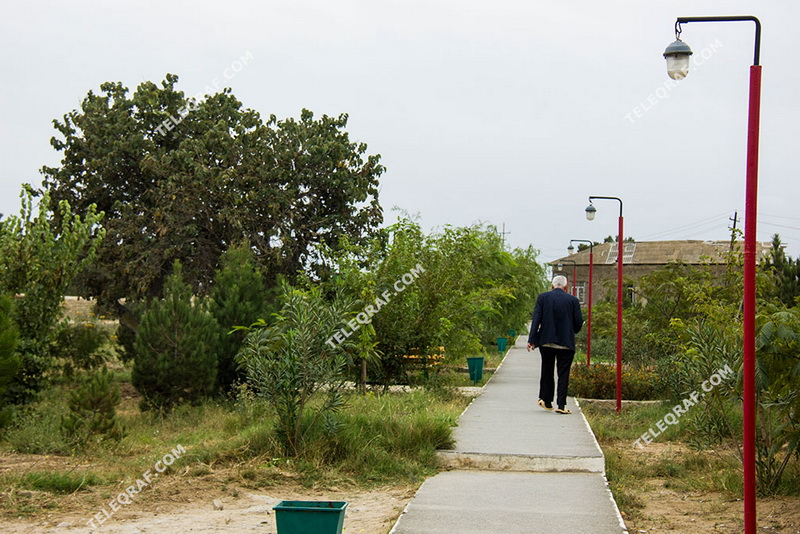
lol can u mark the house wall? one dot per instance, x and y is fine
(641, 258)
(605, 278)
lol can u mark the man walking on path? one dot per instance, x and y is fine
(556, 319)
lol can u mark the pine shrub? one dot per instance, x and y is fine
(238, 298)
(176, 348)
(92, 413)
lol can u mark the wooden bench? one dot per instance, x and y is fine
(425, 361)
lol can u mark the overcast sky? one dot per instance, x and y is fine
(501, 112)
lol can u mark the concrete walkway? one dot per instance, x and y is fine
(516, 468)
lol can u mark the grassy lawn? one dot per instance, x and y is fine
(382, 440)
(383, 446)
(671, 486)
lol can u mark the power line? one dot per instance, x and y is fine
(778, 225)
(780, 216)
(688, 233)
(713, 220)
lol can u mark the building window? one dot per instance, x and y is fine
(631, 297)
(580, 292)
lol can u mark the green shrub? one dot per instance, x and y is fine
(599, 381)
(92, 413)
(41, 252)
(638, 349)
(9, 360)
(176, 359)
(57, 482)
(78, 345)
(37, 429)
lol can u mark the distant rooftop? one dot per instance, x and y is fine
(661, 252)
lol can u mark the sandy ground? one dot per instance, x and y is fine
(185, 503)
(237, 511)
(667, 511)
(222, 500)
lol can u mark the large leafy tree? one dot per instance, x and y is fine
(181, 179)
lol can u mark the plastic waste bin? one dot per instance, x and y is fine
(310, 517)
(475, 368)
(501, 345)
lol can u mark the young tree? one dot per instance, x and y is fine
(41, 252)
(176, 348)
(465, 291)
(9, 361)
(92, 413)
(403, 325)
(527, 279)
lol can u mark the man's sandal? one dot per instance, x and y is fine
(563, 411)
(543, 406)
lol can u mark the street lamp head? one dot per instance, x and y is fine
(570, 248)
(590, 212)
(677, 56)
(560, 266)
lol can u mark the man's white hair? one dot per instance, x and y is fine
(560, 281)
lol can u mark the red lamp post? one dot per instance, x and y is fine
(588, 298)
(590, 213)
(677, 55)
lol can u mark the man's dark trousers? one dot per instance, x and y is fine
(562, 360)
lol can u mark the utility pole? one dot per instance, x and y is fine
(503, 235)
(734, 219)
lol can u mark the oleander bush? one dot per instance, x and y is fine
(289, 362)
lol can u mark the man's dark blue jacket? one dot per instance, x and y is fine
(557, 318)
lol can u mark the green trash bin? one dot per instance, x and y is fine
(501, 345)
(512, 333)
(475, 368)
(310, 517)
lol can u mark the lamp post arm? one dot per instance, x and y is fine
(591, 243)
(611, 198)
(737, 18)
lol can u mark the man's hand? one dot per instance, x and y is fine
(531, 346)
